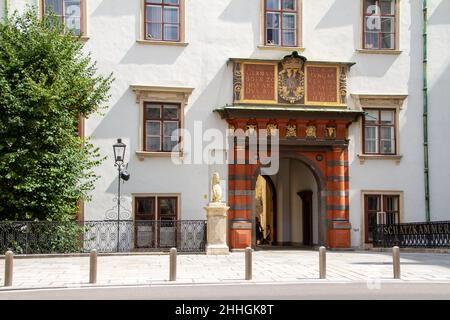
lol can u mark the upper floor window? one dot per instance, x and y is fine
(379, 131)
(162, 20)
(68, 12)
(162, 122)
(380, 24)
(161, 112)
(281, 22)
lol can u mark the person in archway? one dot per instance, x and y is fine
(268, 235)
(259, 231)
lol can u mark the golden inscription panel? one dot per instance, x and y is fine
(259, 83)
(322, 85)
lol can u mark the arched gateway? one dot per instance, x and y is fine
(306, 102)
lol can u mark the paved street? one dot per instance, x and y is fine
(269, 267)
(254, 291)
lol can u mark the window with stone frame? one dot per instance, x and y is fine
(162, 20)
(70, 13)
(379, 132)
(381, 209)
(281, 23)
(155, 219)
(161, 125)
(380, 24)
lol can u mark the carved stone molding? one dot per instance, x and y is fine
(379, 100)
(163, 94)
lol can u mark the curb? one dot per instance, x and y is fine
(81, 255)
(411, 250)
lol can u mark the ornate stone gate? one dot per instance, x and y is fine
(305, 103)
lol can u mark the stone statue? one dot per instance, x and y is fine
(216, 213)
(216, 188)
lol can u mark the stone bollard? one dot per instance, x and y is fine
(93, 266)
(396, 262)
(248, 263)
(323, 262)
(9, 261)
(173, 264)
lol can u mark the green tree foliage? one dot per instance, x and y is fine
(46, 82)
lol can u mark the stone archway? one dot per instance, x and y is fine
(321, 194)
(330, 168)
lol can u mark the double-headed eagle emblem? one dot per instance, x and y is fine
(291, 80)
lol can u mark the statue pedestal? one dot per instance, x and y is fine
(216, 243)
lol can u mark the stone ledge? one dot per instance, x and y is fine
(364, 157)
(163, 43)
(144, 154)
(379, 51)
(279, 48)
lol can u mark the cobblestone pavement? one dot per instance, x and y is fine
(268, 266)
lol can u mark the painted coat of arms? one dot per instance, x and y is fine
(291, 79)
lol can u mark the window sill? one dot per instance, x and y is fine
(364, 157)
(264, 47)
(163, 43)
(379, 51)
(145, 154)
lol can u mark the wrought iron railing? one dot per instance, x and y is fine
(413, 235)
(71, 237)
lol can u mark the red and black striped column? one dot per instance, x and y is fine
(339, 227)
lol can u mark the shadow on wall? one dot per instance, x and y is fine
(138, 54)
(371, 65)
(239, 11)
(218, 92)
(143, 54)
(117, 8)
(416, 74)
(441, 14)
(337, 16)
(116, 122)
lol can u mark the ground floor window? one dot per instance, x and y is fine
(380, 209)
(155, 221)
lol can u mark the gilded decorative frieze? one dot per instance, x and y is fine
(291, 131)
(250, 129)
(330, 132)
(237, 81)
(272, 130)
(343, 84)
(292, 80)
(311, 132)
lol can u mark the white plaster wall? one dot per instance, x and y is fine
(392, 74)
(19, 5)
(2, 10)
(439, 107)
(219, 29)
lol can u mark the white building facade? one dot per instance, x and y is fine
(345, 164)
